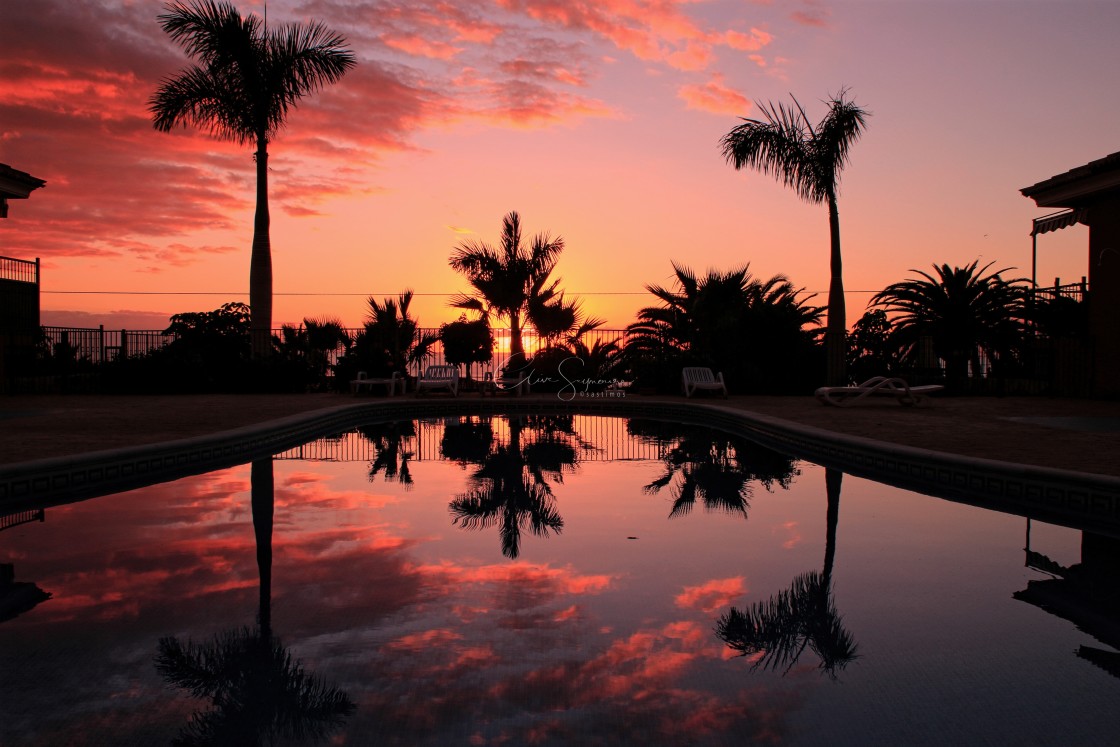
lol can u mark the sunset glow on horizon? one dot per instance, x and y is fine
(599, 122)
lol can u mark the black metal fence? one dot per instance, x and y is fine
(1075, 291)
(99, 345)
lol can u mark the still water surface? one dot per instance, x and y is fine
(551, 580)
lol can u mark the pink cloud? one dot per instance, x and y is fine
(417, 45)
(812, 15)
(751, 42)
(714, 97)
(712, 595)
(78, 78)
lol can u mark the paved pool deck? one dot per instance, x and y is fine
(1079, 435)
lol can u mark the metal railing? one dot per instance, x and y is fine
(607, 440)
(19, 270)
(1076, 291)
(100, 345)
(22, 517)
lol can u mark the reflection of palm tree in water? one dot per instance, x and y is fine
(780, 628)
(713, 468)
(258, 693)
(511, 487)
(391, 456)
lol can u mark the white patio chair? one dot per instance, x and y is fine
(695, 378)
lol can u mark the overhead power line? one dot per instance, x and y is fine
(302, 293)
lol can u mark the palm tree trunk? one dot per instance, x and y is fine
(515, 346)
(836, 332)
(832, 481)
(262, 500)
(260, 265)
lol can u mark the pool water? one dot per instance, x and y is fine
(552, 580)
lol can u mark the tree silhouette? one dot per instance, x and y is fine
(962, 309)
(513, 282)
(258, 693)
(779, 629)
(809, 159)
(726, 320)
(392, 458)
(716, 470)
(511, 490)
(247, 79)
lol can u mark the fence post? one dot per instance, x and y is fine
(124, 344)
(101, 335)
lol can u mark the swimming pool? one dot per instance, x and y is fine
(556, 579)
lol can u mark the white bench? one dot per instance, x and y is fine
(695, 378)
(439, 377)
(390, 383)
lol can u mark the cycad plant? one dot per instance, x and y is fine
(757, 332)
(964, 311)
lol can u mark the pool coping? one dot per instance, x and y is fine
(1066, 497)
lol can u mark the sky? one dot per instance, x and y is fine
(596, 120)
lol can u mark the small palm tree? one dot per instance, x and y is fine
(809, 159)
(961, 309)
(390, 341)
(313, 343)
(513, 282)
(247, 80)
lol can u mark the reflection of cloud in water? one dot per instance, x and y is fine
(440, 650)
(794, 538)
(712, 595)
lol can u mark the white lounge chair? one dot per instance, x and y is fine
(518, 384)
(883, 386)
(390, 383)
(439, 377)
(694, 378)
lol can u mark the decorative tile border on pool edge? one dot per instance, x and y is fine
(1058, 496)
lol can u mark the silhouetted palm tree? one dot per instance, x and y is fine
(961, 309)
(392, 458)
(258, 693)
(391, 336)
(513, 282)
(716, 470)
(248, 78)
(510, 489)
(780, 628)
(312, 343)
(809, 159)
(724, 320)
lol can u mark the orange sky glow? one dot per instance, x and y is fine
(598, 121)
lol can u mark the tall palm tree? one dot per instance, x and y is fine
(962, 309)
(779, 629)
(809, 159)
(247, 79)
(512, 282)
(259, 694)
(510, 489)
